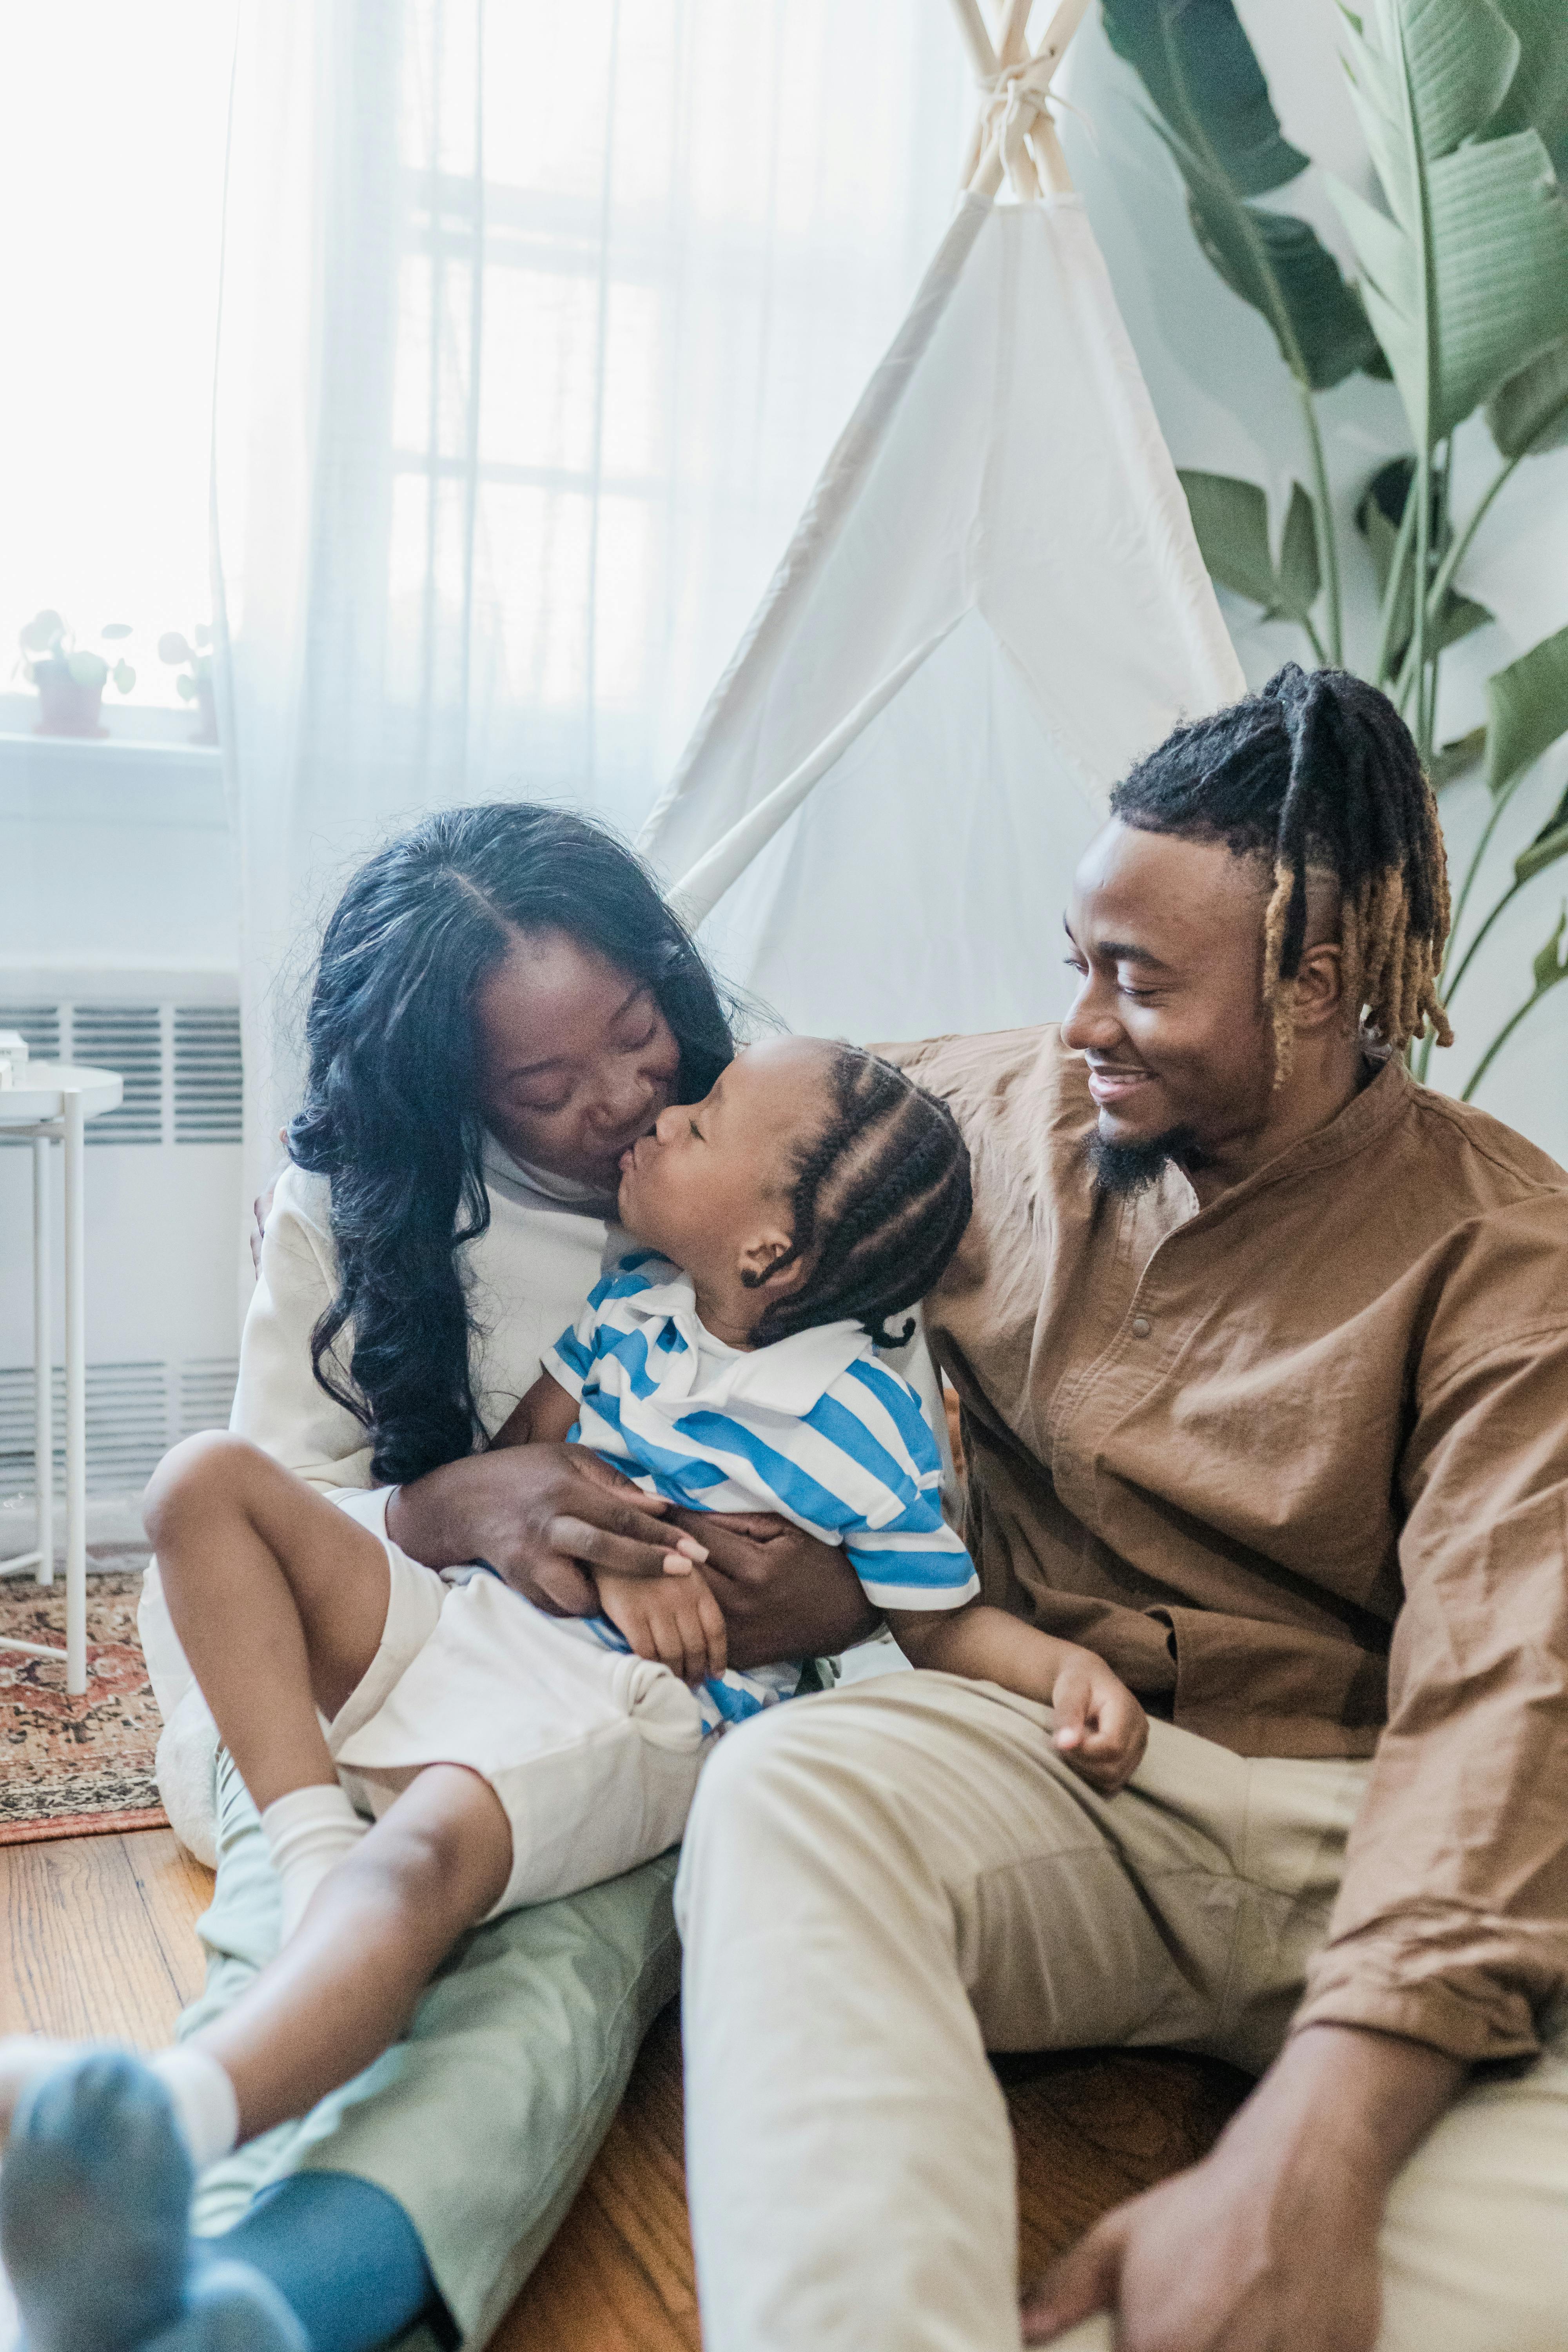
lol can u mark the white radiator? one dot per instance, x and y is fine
(163, 1228)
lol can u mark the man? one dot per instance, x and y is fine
(1262, 1353)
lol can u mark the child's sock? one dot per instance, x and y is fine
(198, 2089)
(95, 2199)
(308, 1832)
(26, 2059)
(203, 2099)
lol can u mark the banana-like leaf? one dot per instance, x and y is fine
(1466, 276)
(1230, 520)
(1527, 709)
(1460, 614)
(1550, 843)
(1280, 266)
(1531, 410)
(1549, 967)
(1199, 67)
(1538, 97)
(1377, 519)
(1299, 575)
(1457, 758)
(1546, 971)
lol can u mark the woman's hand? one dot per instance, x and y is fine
(783, 1594)
(543, 1517)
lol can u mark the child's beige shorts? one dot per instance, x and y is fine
(593, 1756)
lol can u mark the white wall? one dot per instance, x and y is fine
(118, 916)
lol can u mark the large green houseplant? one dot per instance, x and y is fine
(1462, 300)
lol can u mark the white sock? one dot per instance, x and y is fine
(199, 2091)
(23, 2058)
(308, 1832)
(203, 2100)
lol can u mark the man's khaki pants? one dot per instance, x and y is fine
(881, 1883)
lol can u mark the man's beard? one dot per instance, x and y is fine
(1129, 1168)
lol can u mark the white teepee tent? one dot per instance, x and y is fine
(992, 603)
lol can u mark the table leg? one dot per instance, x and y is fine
(76, 1401)
(43, 1369)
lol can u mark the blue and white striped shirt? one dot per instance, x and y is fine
(813, 1427)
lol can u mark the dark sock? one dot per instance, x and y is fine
(343, 2255)
(228, 2308)
(95, 2197)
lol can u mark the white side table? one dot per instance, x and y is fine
(55, 1100)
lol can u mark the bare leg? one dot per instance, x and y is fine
(278, 1597)
(344, 1989)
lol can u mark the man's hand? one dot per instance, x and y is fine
(545, 1517)
(1270, 2243)
(783, 1594)
(1100, 1729)
(674, 1619)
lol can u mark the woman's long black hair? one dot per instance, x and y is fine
(391, 1114)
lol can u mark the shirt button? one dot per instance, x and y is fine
(1141, 1326)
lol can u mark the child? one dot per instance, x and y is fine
(507, 1756)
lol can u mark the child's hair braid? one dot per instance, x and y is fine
(879, 1205)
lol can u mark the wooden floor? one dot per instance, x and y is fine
(98, 1941)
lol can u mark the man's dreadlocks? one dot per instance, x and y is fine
(879, 1205)
(1317, 774)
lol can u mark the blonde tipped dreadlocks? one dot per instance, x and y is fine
(1320, 775)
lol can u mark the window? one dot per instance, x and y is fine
(644, 257)
(112, 128)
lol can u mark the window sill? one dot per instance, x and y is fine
(149, 778)
(127, 726)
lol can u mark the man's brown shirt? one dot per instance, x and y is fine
(1296, 1465)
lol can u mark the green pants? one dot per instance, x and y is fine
(483, 2121)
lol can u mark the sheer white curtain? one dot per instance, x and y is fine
(536, 325)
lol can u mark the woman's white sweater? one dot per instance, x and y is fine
(527, 1275)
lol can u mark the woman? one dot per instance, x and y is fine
(503, 1004)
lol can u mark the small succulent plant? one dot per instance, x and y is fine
(49, 645)
(191, 655)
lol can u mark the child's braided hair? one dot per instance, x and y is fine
(1317, 773)
(879, 1205)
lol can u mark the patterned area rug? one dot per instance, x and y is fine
(76, 1767)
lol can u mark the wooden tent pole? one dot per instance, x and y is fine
(1013, 46)
(1060, 31)
(697, 893)
(982, 60)
(976, 39)
(986, 177)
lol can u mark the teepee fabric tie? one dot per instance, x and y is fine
(1015, 99)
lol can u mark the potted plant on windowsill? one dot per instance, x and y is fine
(195, 682)
(70, 679)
